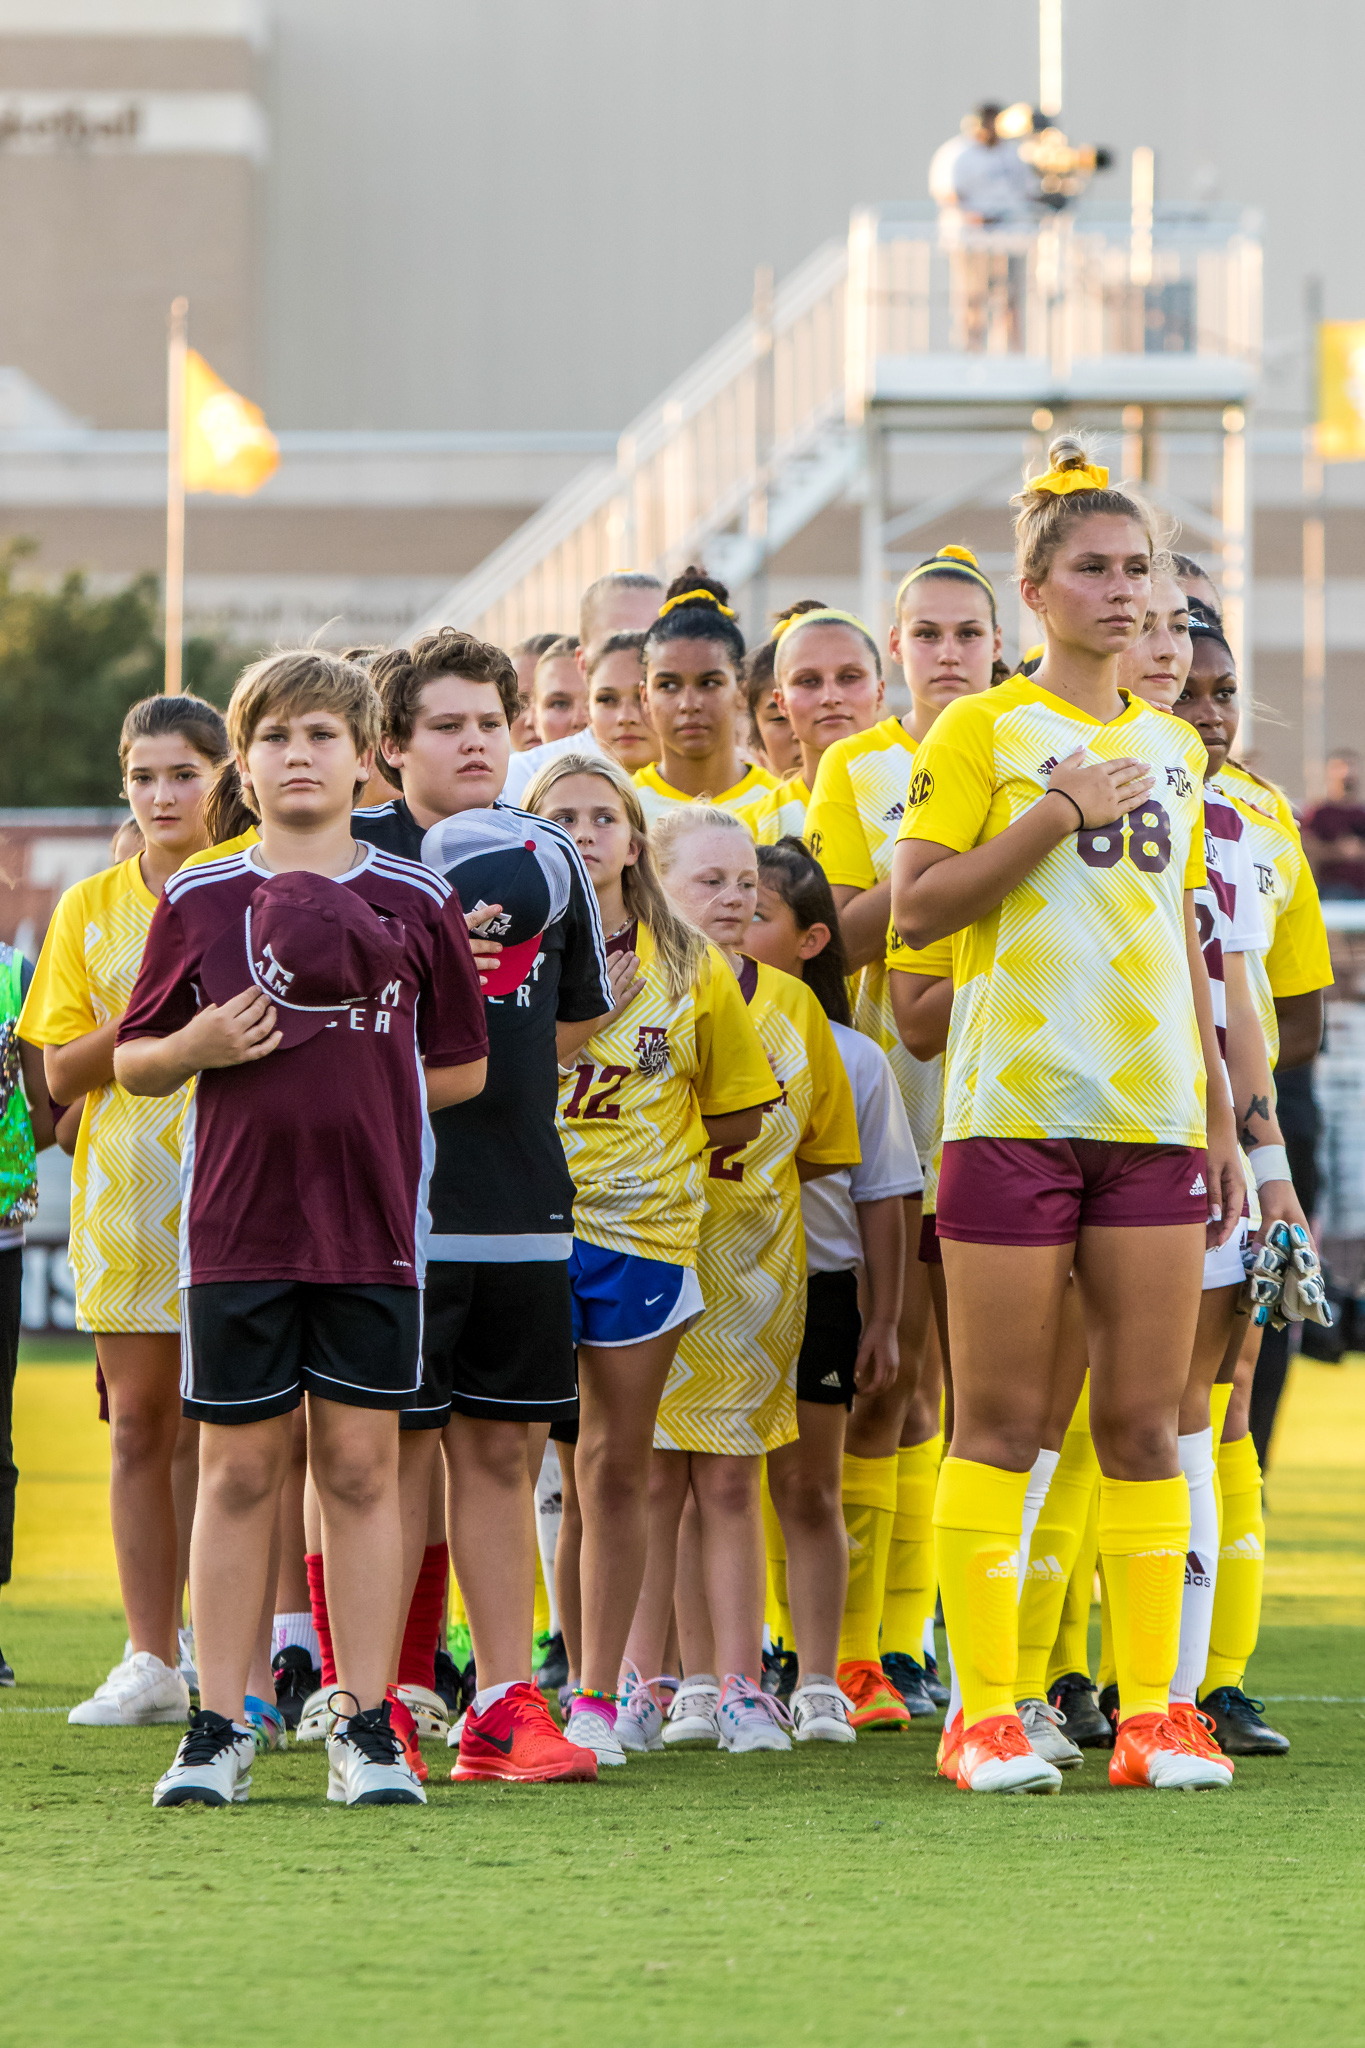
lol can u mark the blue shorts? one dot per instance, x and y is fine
(619, 1299)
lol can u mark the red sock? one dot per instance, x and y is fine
(422, 1634)
(317, 1600)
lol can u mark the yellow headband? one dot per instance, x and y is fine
(695, 597)
(829, 616)
(961, 561)
(1060, 483)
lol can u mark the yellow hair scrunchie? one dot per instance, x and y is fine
(829, 616)
(695, 597)
(1060, 483)
(961, 561)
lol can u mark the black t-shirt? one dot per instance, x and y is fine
(500, 1190)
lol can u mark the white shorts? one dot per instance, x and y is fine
(1224, 1267)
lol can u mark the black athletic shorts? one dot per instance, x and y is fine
(564, 1430)
(497, 1342)
(251, 1349)
(829, 1349)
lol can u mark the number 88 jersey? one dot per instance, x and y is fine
(1073, 1015)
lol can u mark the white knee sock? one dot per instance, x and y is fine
(1039, 1480)
(1201, 1566)
(549, 1515)
(295, 1631)
(930, 1646)
(954, 1705)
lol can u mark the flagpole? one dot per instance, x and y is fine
(177, 345)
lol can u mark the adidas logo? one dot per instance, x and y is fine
(1046, 1569)
(1009, 1569)
(831, 1379)
(896, 812)
(1247, 1546)
(1195, 1574)
(1199, 1188)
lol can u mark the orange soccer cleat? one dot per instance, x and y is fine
(1153, 1752)
(516, 1740)
(997, 1756)
(1197, 1731)
(876, 1705)
(950, 1747)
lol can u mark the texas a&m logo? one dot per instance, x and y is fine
(271, 973)
(1265, 878)
(1179, 781)
(651, 1051)
(921, 788)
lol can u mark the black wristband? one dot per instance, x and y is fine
(1080, 814)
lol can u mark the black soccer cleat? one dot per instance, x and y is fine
(908, 1677)
(553, 1669)
(295, 1680)
(447, 1684)
(1238, 1726)
(936, 1689)
(1074, 1698)
(780, 1667)
(1109, 1707)
(6, 1671)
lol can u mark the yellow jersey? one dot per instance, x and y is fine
(658, 796)
(1073, 1012)
(251, 837)
(780, 813)
(855, 812)
(125, 1176)
(1297, 958)
(630, 1112)
(935, 962)
(732, 1389)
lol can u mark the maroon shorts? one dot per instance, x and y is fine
(930, 1253)
(1044, 1190)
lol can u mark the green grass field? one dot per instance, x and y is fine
(836, 1895)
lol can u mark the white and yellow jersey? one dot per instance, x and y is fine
(658, 796)
(1073, 1015)
(732, 1389)
(936, 963)
(1297, 959)
(855, 812)
(780, 813)
(630, 1113)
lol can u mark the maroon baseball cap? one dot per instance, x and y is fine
(314, 946)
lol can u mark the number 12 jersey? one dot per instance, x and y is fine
(1073, 1015)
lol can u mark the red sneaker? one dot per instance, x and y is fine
(1152, 1752)
(405, 1728)
(1197, 1730)
(950, 1748)
(516, 1739)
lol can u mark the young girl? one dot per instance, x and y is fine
(731, 1395)
(694, 700)
(677, 1068)
(854, 1223)
(616, 716)
(125, 1185)
(1057, 827)
(772, 744)
(828, 680)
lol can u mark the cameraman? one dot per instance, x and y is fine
(988, 200)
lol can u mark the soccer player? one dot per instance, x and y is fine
(694, 657)
(498, 1362)
(828, 677)
(677, 1069)
(616, 716)
(772, 744)
(625, 601)
(524, 657)
(731, 1396)
(1057, 827)
(559, 695)
(854, 1224)
(125, 1186)
(325, 995)
(947, 640)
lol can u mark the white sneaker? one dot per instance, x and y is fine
(1043, 1727)
(366, 1765)
(142, 1692)
(212, 1765)
(692, 1717)
(591, 1730)
(428, 1710)
(750, 1718)
(639, 1717)
(187, 1668)
(820, 1714)
(315, 1722)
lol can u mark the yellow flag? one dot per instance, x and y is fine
(228, 446)
(1341, 391)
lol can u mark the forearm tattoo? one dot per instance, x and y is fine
(1259, 1106)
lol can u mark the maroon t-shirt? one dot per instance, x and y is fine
(313, 1163)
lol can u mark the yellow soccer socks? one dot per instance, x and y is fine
(978, 1516)
(1071, 1651)
(910, 1580)
(1057, 1540)
(779, 1615)
(1144, 1528)
(869, 1496)
(1241, 1567)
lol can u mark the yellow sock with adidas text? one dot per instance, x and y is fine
(1144, 1534)
(1219, 1400)
(1071, 1651)
(909, 1597)
(778, 1616)
(978, 1519)
(1241, 1567)
(869, 1496)
(1056, 1544)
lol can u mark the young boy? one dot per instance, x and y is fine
(498, 1342)
(305, 980)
